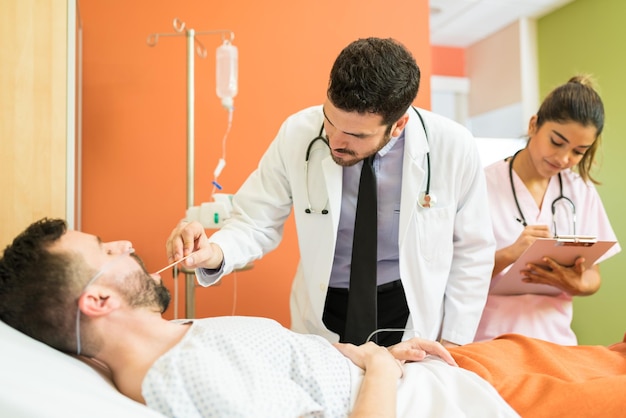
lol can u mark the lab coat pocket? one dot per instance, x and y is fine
(435, 228)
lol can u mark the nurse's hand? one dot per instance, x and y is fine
(417, 349)
(527, 237)
(508, 255)
(190, 237)
(575, 280)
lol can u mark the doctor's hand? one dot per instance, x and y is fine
(576, 280)
(190, 237)
(416, 349)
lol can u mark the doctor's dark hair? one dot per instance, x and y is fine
(374, 75)
(37, 284)
(576, 101)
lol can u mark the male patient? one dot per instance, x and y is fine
(82, 296)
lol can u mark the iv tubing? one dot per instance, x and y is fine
(222, 161)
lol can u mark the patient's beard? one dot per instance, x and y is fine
(142, 290)
(161, 295)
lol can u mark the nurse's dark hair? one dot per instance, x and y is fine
(576, 101)
(374, 75)
(39, 284)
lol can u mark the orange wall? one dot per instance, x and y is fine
(134, 120)
(448, 61)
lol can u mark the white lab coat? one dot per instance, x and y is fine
(446, 252)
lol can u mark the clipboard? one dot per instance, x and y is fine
(563, 249)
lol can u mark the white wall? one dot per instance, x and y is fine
(493, 149)
(506, 121)
(500, 92)
(449, 97)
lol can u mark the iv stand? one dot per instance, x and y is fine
(190, 34)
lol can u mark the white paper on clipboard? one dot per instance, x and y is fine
(564, 250)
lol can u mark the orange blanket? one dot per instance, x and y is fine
(542, 379)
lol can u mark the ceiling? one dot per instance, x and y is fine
(461, 23)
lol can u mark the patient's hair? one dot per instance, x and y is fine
(39, 286)
(374, 76)
(576, 101)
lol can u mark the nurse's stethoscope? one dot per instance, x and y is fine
(561, 197)
(425, 200)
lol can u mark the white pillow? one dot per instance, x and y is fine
(39, 381)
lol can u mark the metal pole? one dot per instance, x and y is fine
(190, 118)
(190, 300)
(179, 26)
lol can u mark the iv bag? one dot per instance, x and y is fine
(226, 73)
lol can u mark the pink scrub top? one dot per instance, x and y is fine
(539, 316)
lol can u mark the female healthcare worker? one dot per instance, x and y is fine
(524, 190)
(442, 252)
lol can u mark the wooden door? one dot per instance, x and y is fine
(37, 112)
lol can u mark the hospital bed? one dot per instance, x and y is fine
(39, 381)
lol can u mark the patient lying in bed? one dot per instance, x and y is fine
(255, 367)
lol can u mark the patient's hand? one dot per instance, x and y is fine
(371, 356)
(378, 392)
(417, 349)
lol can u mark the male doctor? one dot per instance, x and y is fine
(434, 245)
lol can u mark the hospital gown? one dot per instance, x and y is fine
(248, 367)
(254, 367)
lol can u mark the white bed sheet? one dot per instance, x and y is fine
(433, 389)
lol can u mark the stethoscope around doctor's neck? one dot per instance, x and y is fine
(560, 198)
(425, 200)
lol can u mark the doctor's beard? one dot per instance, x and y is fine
(348, 152)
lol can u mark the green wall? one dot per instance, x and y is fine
(589, 36)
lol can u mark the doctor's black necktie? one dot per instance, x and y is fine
(361, 317)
